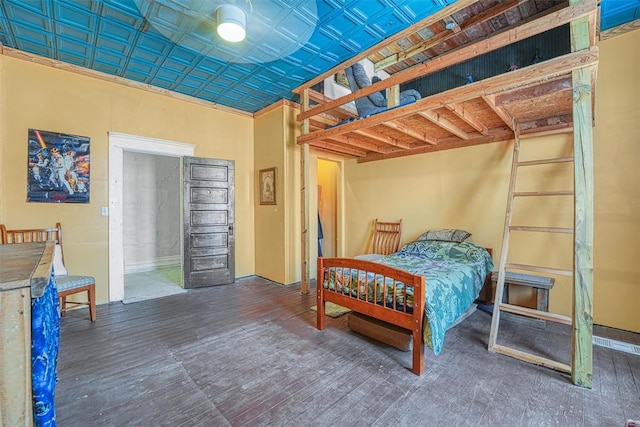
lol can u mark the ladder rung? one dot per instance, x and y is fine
(543, 193)
(541, 229)
(546, 161)
(538, 269)
(531, 358)
(537, 314)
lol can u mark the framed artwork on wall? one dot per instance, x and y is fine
(341, 79)
(267, 182)
(57, 167)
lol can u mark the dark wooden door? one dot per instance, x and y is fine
(209, 222)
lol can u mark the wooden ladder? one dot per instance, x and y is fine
(499, 305)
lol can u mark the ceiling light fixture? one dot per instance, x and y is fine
(232, 22)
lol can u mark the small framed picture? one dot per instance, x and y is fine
(267, 181)
(341, 79)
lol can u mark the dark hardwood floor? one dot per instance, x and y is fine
(249, 354)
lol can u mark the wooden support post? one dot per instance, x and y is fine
(582, 337)
(304, 200)
(393, 96)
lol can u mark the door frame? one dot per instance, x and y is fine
(338, 249)
(118, 144)
(340, 204)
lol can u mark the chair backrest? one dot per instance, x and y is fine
(32, 235)
(386, 237)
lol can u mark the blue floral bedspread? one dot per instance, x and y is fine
(454, 274)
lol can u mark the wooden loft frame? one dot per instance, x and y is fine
(552, 96)
(538, 97)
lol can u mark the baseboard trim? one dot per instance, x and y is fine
(153, 264)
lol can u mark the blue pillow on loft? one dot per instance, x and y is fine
(375, 102)
(376, 79)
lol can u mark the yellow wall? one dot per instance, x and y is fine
(467, 188)
(464, 188)
(3, 137)
(617, 183)
(270, 219)
(278, 244)
(50, 99)
(277, 252)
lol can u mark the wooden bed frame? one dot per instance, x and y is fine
(410, 321)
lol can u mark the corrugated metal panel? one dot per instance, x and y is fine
(549, 45)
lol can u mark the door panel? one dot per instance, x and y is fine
(209, 195)
(209, 243)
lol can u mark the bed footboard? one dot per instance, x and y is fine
(382, 292)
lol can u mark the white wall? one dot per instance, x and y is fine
(333, 90)
(151, 211)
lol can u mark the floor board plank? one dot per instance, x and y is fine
(249, 354)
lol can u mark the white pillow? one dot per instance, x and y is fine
(58, 266)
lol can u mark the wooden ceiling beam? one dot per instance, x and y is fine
(359, 143)
(469, 118)
(382, 138)
(500, 39)
(392, 124)
(317, 124)
(444, 123)
(472, 136)
(343, 110)
(315, 96)
(559, 85)
(563, 122)
(495, 135)
(442, 37)
(620, 29)
(338, 148)
(539, 133)
(500, 111)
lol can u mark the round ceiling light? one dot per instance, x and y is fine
(231, 23)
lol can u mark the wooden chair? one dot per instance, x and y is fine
(386, 240)
(67, 285)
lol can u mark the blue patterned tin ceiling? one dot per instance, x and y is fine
(617, 12)
(172, 44)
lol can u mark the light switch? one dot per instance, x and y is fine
(104, 211)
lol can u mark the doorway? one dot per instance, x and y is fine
(328, 196)
(152, 226)
(119, 144)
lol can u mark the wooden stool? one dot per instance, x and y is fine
(540, 284)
